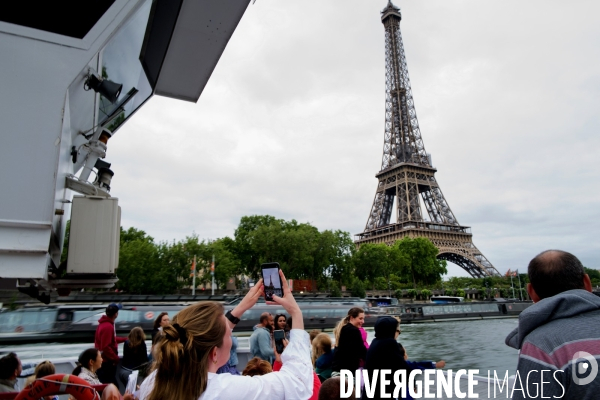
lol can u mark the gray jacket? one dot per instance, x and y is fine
(9, 386)
(549, 335)
(260, 344)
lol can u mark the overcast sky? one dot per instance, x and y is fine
(290, 124)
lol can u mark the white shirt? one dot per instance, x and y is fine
(294, 380)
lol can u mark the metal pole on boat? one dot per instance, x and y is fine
(194, 278)
(512, 286)
(212, 273)
(520, 290)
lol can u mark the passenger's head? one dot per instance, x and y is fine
(553, 272)
(198, 342)
(136, 337)
(10, 366)
(321, 344)
(280, 321)
(256, 366)
(162, 320)
(112, 311)
(90, 359)
(44, 368)
(313, 334)
(385, 327)
(330, 390)
(356, 316)
(266, 320)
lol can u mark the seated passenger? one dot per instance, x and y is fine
(257, 366)
(43, 369)
(159, 323)
(10, 369)
(198, 342)
(88, 363)
(322, 356)
(135, 352)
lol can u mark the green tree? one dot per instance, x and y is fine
(227, 265)
(419, 260)
(357, 289)
(141, 265)
(335, 290)
(244, 247)
(373, 261)
(340, 260)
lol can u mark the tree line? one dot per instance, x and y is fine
(328, 257)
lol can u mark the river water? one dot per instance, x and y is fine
(477, 344)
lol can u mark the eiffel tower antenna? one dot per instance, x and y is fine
(407, 174)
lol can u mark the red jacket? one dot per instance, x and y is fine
(106, 340)
(316, 381)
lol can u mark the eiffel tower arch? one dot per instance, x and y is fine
(407, 176)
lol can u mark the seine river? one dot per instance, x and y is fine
(475, 344)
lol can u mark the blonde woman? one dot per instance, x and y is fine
(197, 344)
(349, 345)
(43, 369)
(322, 355)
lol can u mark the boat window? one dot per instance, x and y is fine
(9, 321)
(78, 315)
(129, 316)
(46, 319)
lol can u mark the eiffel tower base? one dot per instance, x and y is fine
(455, 244)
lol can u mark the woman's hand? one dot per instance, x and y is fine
(249, 299)
(289, 303)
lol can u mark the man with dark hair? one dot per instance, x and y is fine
(106, 341)
(10, 369)
(559, 336)
(330, 390)
(260, 341)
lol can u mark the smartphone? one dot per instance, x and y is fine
(271, 280)
(279, 335)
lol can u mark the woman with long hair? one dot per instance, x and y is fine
(197, 344)
(160, 322)
(281, 323)
(349, 346)
(135, 352)
(43, 369)
(88, 363)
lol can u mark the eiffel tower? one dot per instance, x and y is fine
(407, 174)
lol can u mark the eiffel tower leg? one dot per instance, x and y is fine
(381, 210)
(466, 255)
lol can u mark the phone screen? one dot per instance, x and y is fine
(279, 335)
(272, 281)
